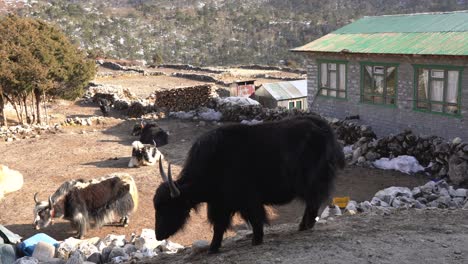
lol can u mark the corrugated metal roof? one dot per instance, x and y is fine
(423, 34)
(412, 23)
(287, 90)
(448, 43)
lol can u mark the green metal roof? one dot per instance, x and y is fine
(424, 34)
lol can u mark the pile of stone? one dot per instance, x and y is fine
(117, 67)
(350, 132)
(120, 98)
(189, 67)
(431, 195)
(82, 121)
(442, 158)
(112, 249)
(19, 132)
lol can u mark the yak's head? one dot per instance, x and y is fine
(172, 209)
(43, 213)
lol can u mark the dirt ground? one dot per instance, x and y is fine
(90, 152)
(408, 236)
(93, 151)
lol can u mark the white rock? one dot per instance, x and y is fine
(27, 260)
(170, 247)
(43, 251)
(200, 246)
(351, 207)
(387, 195)
(116, 240)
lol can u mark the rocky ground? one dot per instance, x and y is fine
(100, 148)
(407, 236)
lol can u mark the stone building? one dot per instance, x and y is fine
(395, 72)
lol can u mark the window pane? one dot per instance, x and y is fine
(367, 98)
(379, 69)
(323, 75)
(367, 79)
(391, 81)
(437, 74)
(452, 87)
(332, 93)
(423, 84)
(437, 90)
(342, 77)
(332, 66)
(436, 107)
(342, 94)
(451, 109)
(379, 84)
(299, 104)
(422, 105)
(333, 79)
(390, 100)
(323, 92)
(378, 99)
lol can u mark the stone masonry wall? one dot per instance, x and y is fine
(383, 119)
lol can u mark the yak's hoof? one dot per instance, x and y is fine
(256, 242)
(213, 251)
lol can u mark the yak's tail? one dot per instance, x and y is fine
(132, 190)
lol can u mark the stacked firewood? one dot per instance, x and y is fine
(184, 99)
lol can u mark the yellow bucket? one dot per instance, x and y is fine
(341, 202)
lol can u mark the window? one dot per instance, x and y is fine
(379, 83)
(437, 89)
(332, 79)
(299, 104)
(291, 105)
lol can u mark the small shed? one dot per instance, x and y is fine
(291, 94)
(242, 88)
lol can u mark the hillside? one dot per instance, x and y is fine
(209, 32)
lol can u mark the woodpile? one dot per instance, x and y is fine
(184, 99)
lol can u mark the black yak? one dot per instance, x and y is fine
(89, 203)
(150, 133)
(241, 168)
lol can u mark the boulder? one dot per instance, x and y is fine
(7, 253)
(43, 251)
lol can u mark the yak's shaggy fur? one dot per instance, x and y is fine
(241, 168)
(89, 203)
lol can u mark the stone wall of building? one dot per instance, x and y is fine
(383, 119)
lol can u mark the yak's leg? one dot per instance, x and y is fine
(221, 220)
(310, 213)
(256, 216)
(80, 222)
(124, 221)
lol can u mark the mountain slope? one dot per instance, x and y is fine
(211, 32)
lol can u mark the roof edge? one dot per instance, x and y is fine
(422, 13)
(384, 54)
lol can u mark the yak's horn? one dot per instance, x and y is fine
(35, 198)
(161, 171)
(50, 202)
(174, 190)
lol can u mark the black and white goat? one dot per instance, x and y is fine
(144, 154)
